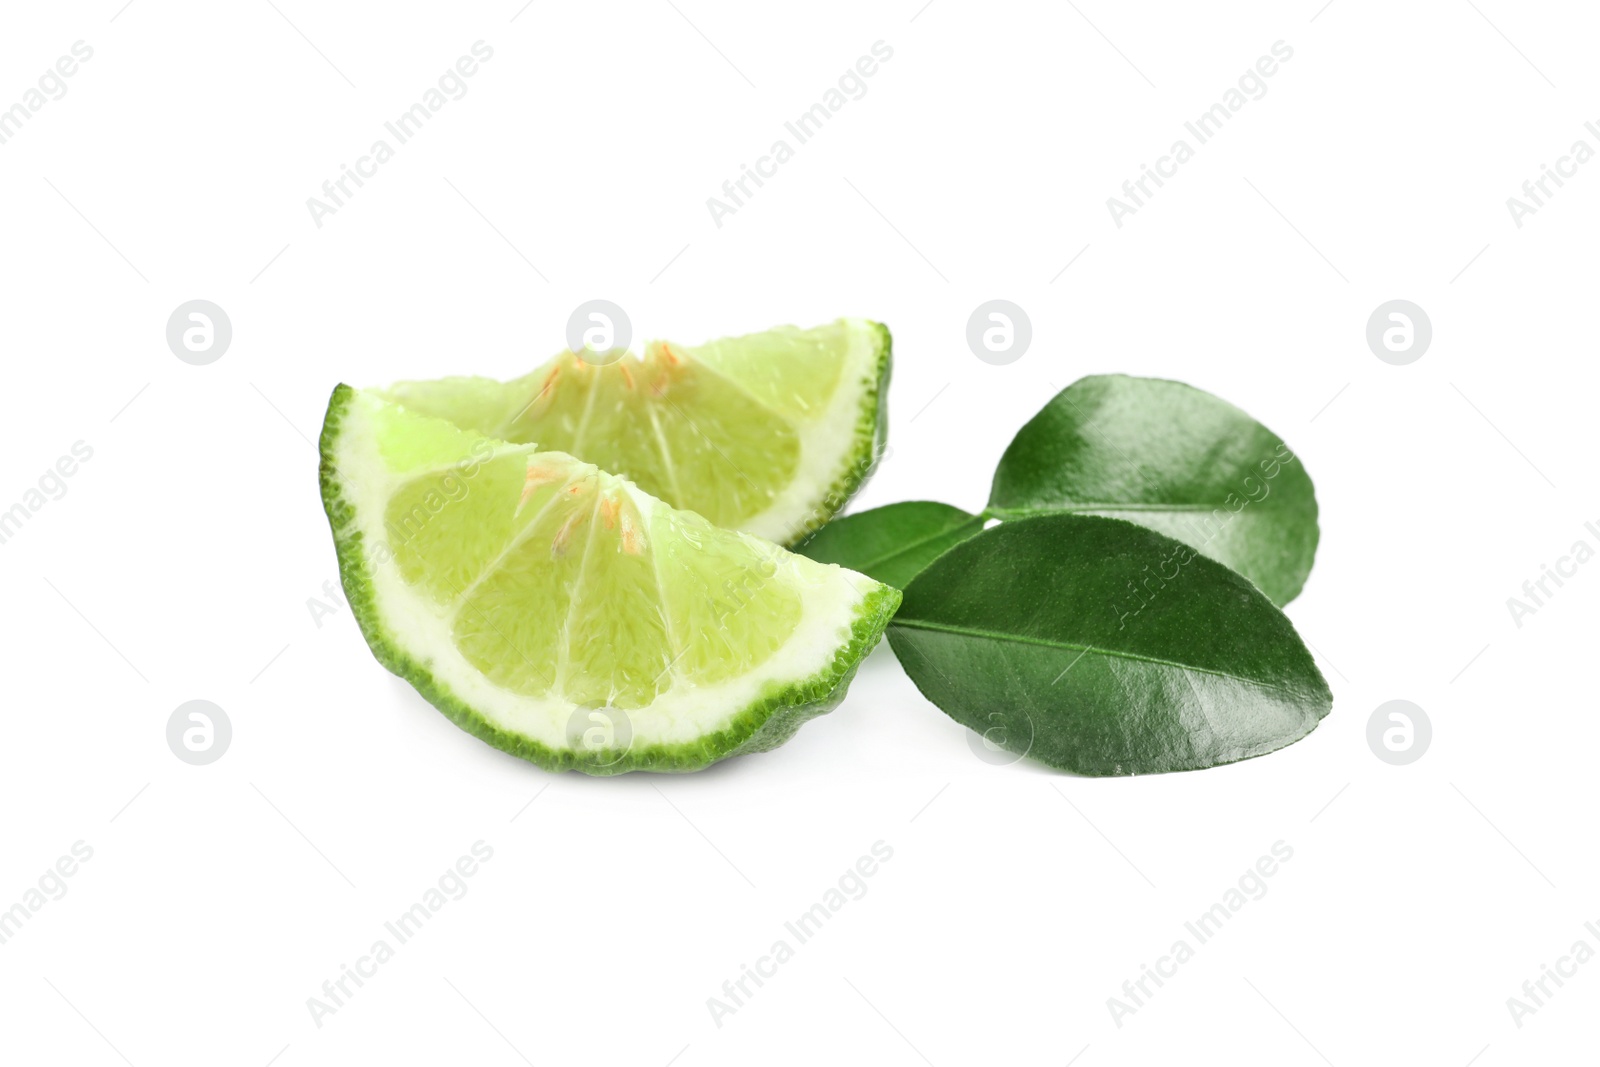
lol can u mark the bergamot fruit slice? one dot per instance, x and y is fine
(769, 433)
(566, 616)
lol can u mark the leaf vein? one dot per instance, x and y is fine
(910, 547)
(1068, 646)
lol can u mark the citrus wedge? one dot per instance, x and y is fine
(768, 433)
(563, 614)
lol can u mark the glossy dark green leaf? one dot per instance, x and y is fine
(894, 542)
(1102, 647)
(1173, 458)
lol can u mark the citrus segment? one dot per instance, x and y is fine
(768, 433)
(520, 589)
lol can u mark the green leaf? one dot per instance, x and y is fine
(1173, 458)
(894, 542)
(1101, 647)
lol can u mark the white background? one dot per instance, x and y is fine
(180, 561)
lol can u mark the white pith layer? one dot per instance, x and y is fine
(828, 445)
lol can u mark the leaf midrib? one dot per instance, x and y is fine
(1067, 646)
(976, 520)
(1068, 509)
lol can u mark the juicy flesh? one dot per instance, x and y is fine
(715, 429)
(561, 582)
(671, 424)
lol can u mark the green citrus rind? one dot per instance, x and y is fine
(764, 724)
(871, 434)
